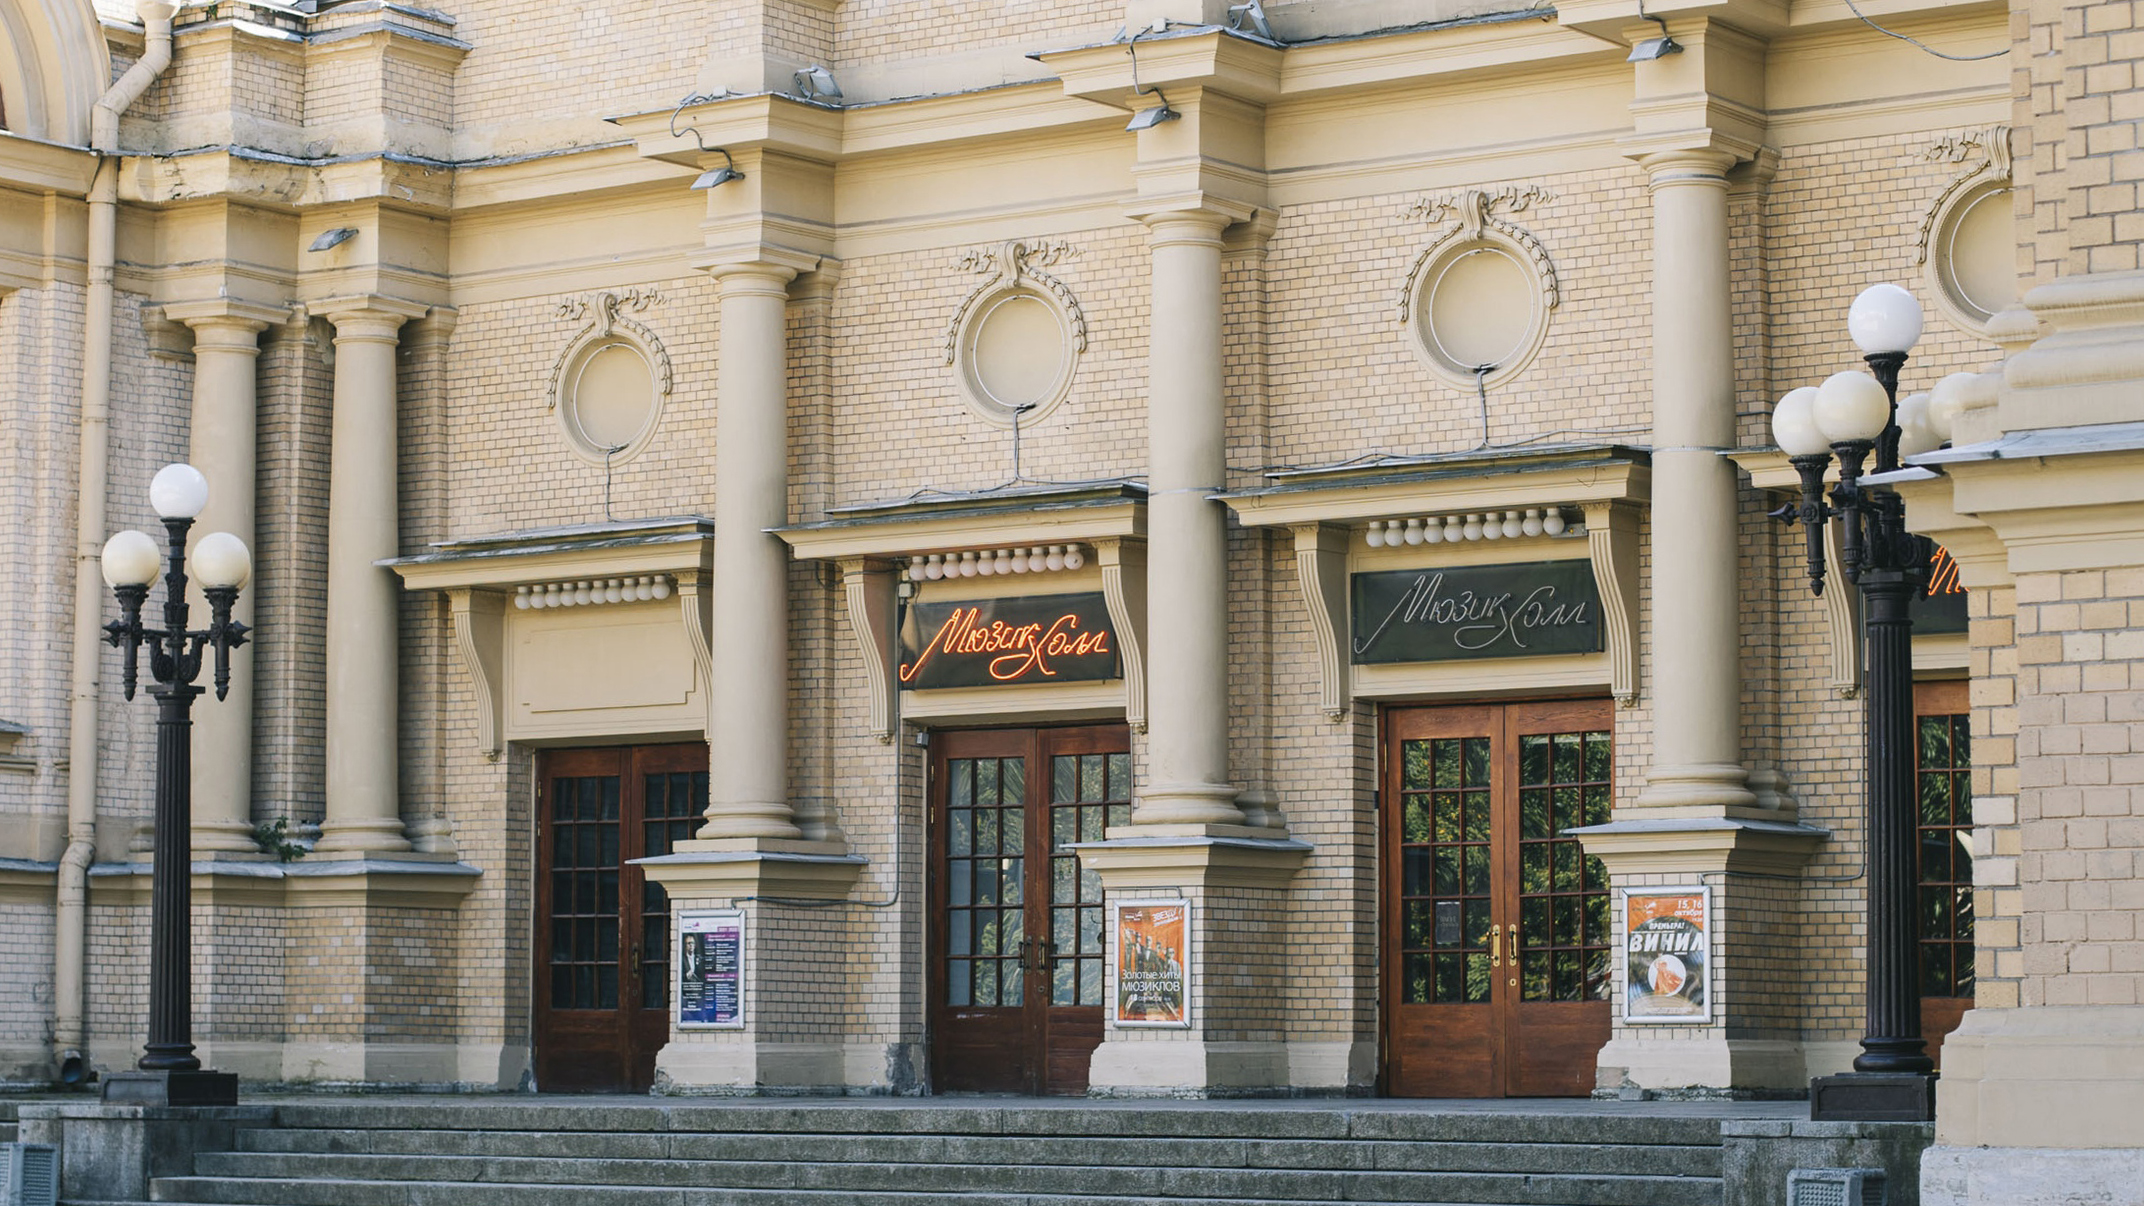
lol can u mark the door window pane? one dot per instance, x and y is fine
(1445, 829)
(1944, 787)
(1563, 893)
(583, 917)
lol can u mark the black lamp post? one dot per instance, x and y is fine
(170, 1073)
(1851, 416)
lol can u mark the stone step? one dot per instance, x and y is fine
(197, 1191)
(224, 1173)
(1135, 1121)
(1380, 1155)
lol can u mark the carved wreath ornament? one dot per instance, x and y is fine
(1985, 152)
(1011, 265)
(1473, 217)
(604, 317)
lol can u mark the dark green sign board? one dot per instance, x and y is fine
(996, 642)
(1456, 613)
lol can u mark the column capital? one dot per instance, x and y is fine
(435, 328)
(227, 322)
(1704, 163)
(1188, 217)
(366, 315)
(773, 267)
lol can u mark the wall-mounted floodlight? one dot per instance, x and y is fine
(1648, 49)
(333, 238)
(1147, 119)
(1250, 13)
(714, 177)
(816, 83)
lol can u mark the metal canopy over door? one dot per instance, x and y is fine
(1016, 923)
(602, 941)
(1495, 928)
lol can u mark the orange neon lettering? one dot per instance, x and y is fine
(1020, 650)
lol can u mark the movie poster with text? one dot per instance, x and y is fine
(1153, 963)
(1666, 933)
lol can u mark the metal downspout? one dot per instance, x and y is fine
(70, 948)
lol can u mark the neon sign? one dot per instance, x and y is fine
(990, 642)
(1942, 608)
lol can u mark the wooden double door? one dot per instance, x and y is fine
(600, 992)
(1015, 968)
(1495, 928)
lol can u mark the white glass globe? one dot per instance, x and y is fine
(178, 491)
(131, 559)
(1885, 318)
(221, 559)
(1947, 400)
(1915, 436)
(1851, 406)
(1794, 426)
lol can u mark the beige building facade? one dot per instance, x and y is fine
(797, 553)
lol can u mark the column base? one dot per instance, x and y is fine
(224, 838)
(2056, 1076)
(2030, 1176)
(363, 838)
(720, 875)
(1708, 787)
(1192, 804)
(1712, 1063)
(1189, 1067)
(197, 1088)
(1873, 1097)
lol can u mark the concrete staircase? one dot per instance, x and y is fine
(595, 1153)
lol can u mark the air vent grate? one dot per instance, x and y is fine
(1835, 1187)
(29, 1174)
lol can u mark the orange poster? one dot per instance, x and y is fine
(1666, 937)
(1153, 962)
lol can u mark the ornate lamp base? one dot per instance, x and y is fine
(1873, 1097)
(196, 1088)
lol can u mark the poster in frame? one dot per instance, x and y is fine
(1667, 965)
(708, 993)
(1153, 954)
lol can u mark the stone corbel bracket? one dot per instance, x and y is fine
(1124, 586)
(1322, 508)
(479, 638)
(1321, 572)
(1612, 545)
(1010, 265)
(868, 586)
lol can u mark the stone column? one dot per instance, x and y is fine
(748, 797)
(364, 647)
(222, 447)
(1186, 781)
(1697, 727)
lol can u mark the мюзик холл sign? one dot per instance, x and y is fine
(1475, 611)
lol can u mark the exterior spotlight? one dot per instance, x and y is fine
(714, 177)
(1654, 48)
(1253, 14)
(1147, 119)
(333, 238)
(816, 83)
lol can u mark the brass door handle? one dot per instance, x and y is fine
(1513, 933)
(1496, 949)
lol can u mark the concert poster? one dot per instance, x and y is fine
(1153, 963)
(1666, 936)
(710, 969)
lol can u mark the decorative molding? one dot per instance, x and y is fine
(1321, 572)
(1986, 154)
(1010, 265)
(868, 583)
(604, 318)
(988, 562)
(1473, 218)
(479, 637)
(1124, 587)
(1842, 618)
(591, 592)
(1612, 545)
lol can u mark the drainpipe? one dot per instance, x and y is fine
(69, 1034)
